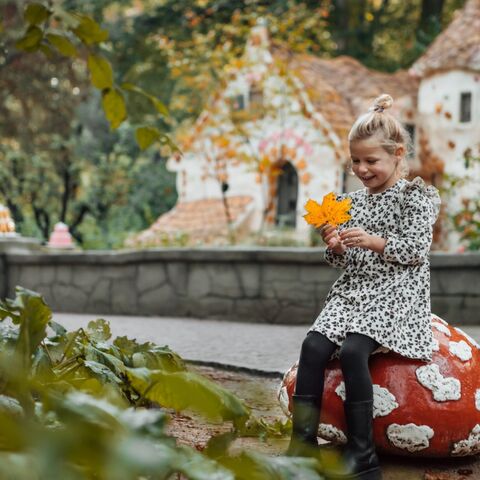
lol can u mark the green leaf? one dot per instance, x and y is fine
(114, 107)
(187, 391)
(62, 44)
(158, 358)
(88, 30)
(30, 311)
(36, 13)
(161, 108)
(254, 466)
(99, 330)
(101, 71)
(31, 40)
(146, 136)
(102, 373)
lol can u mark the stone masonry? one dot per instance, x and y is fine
(271, 285)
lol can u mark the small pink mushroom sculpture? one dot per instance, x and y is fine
(60, 237)
(420, 409)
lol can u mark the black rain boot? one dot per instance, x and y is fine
(305, 420)
(359, 461)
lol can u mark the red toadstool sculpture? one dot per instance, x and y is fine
(421, 409)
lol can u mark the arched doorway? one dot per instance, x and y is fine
(287, 193)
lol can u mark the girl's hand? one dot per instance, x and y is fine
(356, 237)
(331, 238)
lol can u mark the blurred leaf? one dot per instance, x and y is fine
(146, 136)
(158, 358)
(161, 108)
(187, 391)
(253, 466)
(99, 330)
(114, 107)
(31, 40)
(101, 71)
(88, 30)
(36, 13)
(62, 44)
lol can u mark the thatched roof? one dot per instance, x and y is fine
(457, 47)
(342, 88)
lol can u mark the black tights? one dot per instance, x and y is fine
(354, 354)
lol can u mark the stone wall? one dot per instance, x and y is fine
(259, 285)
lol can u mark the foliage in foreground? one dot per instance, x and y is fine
(74, 405)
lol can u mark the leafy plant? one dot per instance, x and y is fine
(76, 405)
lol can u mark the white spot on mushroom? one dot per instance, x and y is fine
(461, 350)
(470, 445)
(410, 437)
(477, 399)
(331, 433)
(442, 328)
(443, 388)
(435, 345)
(282, 396)
(384, 401)
(468, 337)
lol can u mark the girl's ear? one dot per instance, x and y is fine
(400, 151)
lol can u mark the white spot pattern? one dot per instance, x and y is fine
(384, 401)
(331, 433)
(442, 328)
(410, 437)
(282, 396)
(443, 388)
(460, 349)
(470, 445)
(477, 399)
(468, 337)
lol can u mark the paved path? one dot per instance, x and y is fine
(259, 347)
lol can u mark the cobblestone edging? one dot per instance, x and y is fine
(273, 285)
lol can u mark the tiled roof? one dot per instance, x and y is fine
(457, 47)
(342, 88)
(201, 220)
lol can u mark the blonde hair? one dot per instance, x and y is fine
(390, 131)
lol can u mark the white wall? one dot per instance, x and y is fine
(439, 116)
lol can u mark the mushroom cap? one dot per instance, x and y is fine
(429, 409)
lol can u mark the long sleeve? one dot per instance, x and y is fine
(338, 261)
(412, 245)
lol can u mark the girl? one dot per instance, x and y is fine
(381, 300)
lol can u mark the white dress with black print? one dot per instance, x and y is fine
(386, 296)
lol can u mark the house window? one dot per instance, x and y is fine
(465, 107)
(237, 103)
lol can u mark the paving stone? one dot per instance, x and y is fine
(258, 346)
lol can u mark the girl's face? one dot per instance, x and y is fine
(373, 165)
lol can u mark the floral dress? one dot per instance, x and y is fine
(386, 296)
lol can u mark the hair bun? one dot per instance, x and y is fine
(382, 102)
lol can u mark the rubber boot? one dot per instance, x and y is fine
(359, 461)
(305, 420)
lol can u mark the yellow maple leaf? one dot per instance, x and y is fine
(330, 211)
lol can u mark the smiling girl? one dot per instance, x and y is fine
(382, 299)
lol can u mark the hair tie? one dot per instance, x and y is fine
(378, 108)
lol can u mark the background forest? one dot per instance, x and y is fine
(59, 159)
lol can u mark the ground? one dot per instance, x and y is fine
(259, 393)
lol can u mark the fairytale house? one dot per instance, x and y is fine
(448, 107)
(275, 135)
